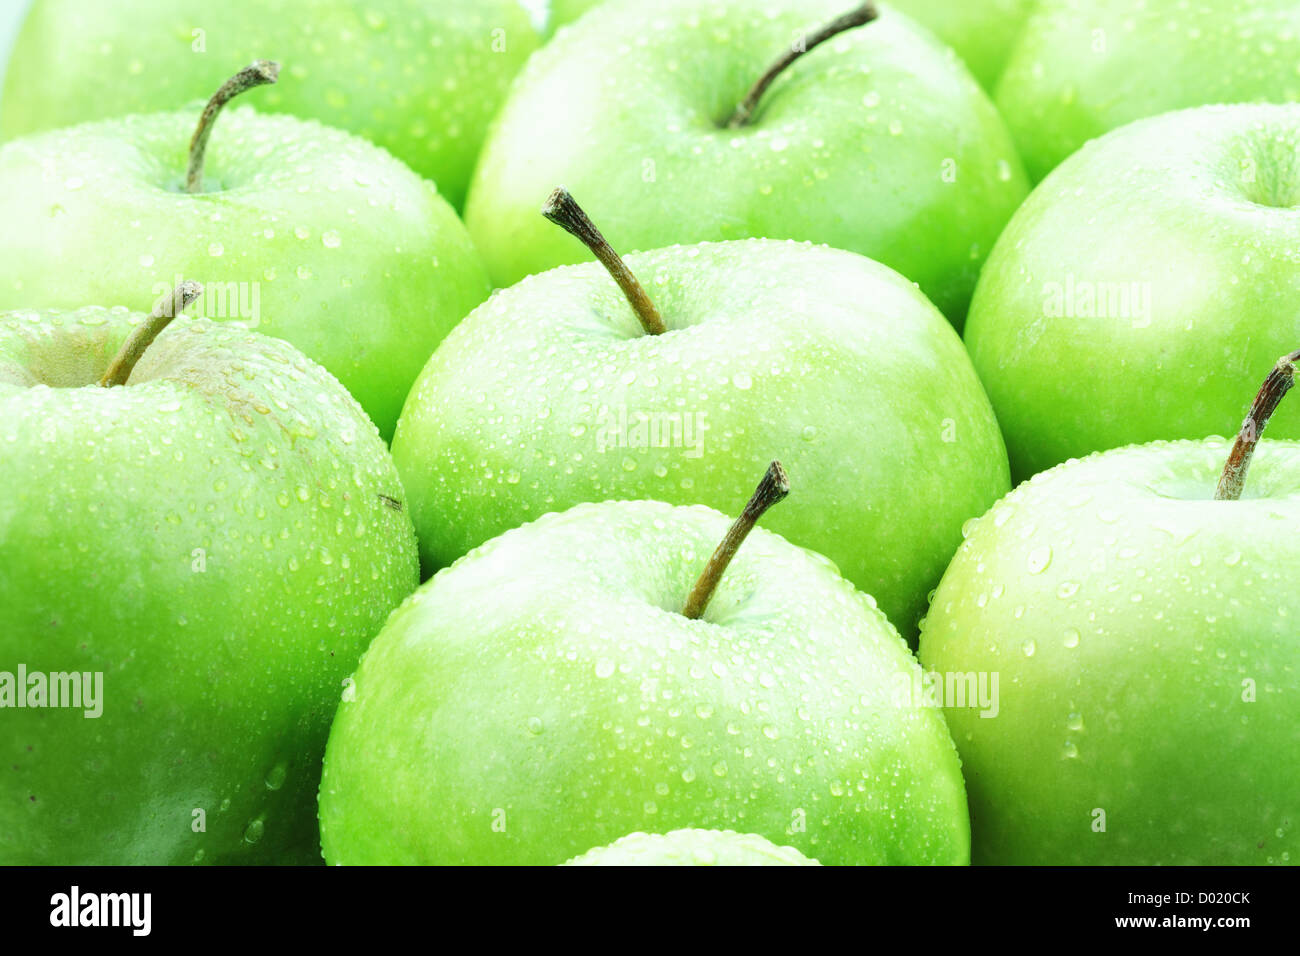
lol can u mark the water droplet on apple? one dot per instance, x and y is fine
(1039, 559)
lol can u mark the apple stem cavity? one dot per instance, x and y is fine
(260, 73)
(1278, 383)
(773, 488)
(563, 210)
(142, 336)
(858, 16)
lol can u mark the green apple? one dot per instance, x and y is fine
(563, 12)
(1082, 67)
(206, 551)
(1143, 624)
(693, 848)
(1141, 282)
(674, 125)
(565, 684)
(981, 31)
(421, 78)
(302, 231)
(552, 393)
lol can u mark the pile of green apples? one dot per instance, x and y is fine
(804, 417)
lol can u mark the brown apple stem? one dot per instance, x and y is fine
(774, 487)
(1233, 480)
(563, 210)
(862, 14)
(260, 73)
(142, 336)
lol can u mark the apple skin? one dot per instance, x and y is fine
(878, 141)
(821, 358)
(1125, 610)
(545, 695)
(1083, 67)
(422, 78)
(981, 31)
(1194, 211)
(693, 848)
(563, 12)
(353, 258)
(222, 665)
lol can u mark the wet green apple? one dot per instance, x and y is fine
(296, 229)
(1143, 624)
(1080, 68)
(673, 123)
(1142, 283)
(553, 393)
(692, 848)
(566, 684)
(421, 78)
(982, 32)
(208, 548)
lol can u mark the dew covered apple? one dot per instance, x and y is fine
(421, 78)
(675, 123)
(296, 229)
(554, 392)
(566, 684)
(1140, 607)
(1142, 283)
(692, 848)
(1080, 68)
(217, 539)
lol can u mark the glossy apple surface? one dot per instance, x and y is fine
(878, 141)
(983, 32)
(1083, 67)
(422, 78)
(1142, 283)
(303, 232)
(1145, 636)
(551, 394)
(692, 848)
(546, 695)
(215, 538)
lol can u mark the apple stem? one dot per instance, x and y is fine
(859, 16)
(142, 336)
(773, 488)
(563, 210)
(260, 73)
(1278, 383)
